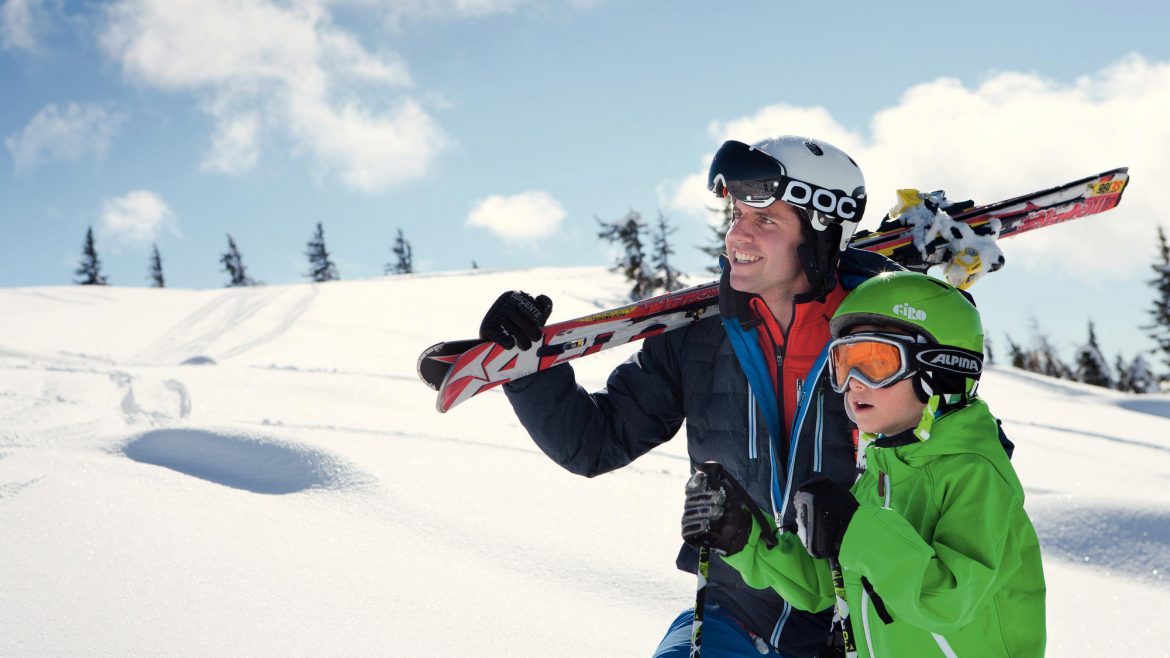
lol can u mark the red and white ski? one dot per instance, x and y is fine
(459, 370)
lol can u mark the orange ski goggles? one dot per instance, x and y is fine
(876, 360)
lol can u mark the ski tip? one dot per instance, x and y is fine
(422, 359)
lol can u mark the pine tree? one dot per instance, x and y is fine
(988, 352)
(156, 273)
(405, 262)
(90, 267)
(1091, 366)
(1019, 356)
(1124, 383)
(665, 275)
(628, 232)
(1045, 360)
(719, 235)
(321, 268)
(1159, 326)
(233, 264)
(1141, 379)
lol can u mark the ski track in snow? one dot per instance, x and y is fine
(9, 490)
(1094, 435)
(194, 334)
(335, 371)
(286, 322)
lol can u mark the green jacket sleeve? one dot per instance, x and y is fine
(802, 580)
(941, 581)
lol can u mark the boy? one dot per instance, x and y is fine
(937, 553)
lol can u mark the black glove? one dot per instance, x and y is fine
(718, 512)
(823, 513)
(515, 319)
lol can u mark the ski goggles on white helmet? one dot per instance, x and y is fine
(874, 359)
(759, 180)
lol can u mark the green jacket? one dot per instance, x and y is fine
(941, 536)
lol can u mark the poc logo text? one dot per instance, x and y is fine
(803, 194)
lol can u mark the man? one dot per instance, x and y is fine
(749, 384)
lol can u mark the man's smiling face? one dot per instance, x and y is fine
(761, 245)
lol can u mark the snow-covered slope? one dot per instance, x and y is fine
(259, 472)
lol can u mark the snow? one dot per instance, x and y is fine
(293, 491)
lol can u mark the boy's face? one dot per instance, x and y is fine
(886, 410)
(889, 410)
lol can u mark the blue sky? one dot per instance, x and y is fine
(496, 130)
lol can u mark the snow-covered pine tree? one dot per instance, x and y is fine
(665, 275)
(1159, 326)
(627, 231)
(233, 264)
(89, 269)
(321, 268)
(1091, 366)
(988, 352)
(156, 273)
(1123, 384)
(405, 257)
(718, 235)
(1141, 378)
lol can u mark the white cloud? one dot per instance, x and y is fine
(21, 21)
(1011, 134)
(63, 135)
(395, 12)
(524, 216)
(301, 76)
(235, 146)
(136, 218)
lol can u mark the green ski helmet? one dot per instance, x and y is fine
(948, 355)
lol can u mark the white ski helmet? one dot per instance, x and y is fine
(819, 179)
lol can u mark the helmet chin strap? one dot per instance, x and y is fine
(922, 431)
(819, 254)
(934, 401)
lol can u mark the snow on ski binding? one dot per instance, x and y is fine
(968, 256)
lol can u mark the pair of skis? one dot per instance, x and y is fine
(926, 231)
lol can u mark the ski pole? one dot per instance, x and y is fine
(842, 607)
(700, 601)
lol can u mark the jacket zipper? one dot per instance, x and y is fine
(944, 646)
(865, 623)
(885, 489)
(786, 440)
(794, 432)
(753, 425)
(820, 428)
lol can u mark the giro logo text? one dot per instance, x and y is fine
(909, 312)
